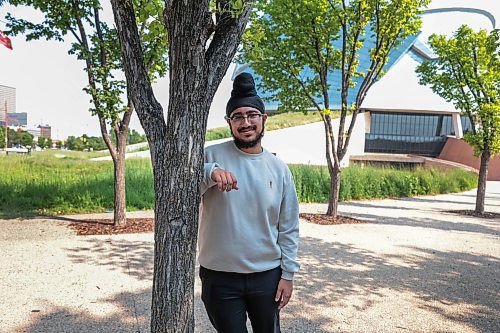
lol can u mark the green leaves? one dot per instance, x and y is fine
(467, 73)
(296, 46)
(288, 46)
(232, 7)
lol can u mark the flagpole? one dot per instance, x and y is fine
(6, 125)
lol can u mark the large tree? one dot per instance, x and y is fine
(299, 46)
(467, 73)
(96, 43)
(203, 38)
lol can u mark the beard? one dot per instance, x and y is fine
(240, 143)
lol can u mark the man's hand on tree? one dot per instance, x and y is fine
(226, 181)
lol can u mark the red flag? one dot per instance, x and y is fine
(5, 40)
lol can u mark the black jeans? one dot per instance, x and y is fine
(228, 297)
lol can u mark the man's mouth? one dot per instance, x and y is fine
(248, 129)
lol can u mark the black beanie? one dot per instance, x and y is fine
(244, 94)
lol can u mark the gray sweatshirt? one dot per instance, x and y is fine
(255, 228)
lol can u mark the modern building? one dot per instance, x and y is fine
(402, 116)
(8, 108)
(17, 118)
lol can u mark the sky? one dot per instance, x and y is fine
(49, 82)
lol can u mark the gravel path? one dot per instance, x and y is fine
(413, 269)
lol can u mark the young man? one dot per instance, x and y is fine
(249, 228)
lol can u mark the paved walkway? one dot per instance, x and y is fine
(413, 269)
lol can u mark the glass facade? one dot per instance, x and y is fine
(18, 119)
(409, 133)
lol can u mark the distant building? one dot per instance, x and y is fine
(7, 102)
(34, 131)
(17, 119)
(45, 131)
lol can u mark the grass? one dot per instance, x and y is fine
(274, 122)
(69, 154)
(45, 184)
(361, 183)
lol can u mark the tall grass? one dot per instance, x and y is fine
(358, 183)
(48, 185)
(44, 184)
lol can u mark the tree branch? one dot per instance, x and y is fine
(149, 110)
(226, 29)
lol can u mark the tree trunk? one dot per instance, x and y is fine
(196, 71)
(176, 227)
(120, 209)
(481, 183)
(117, 153)
(334, 191)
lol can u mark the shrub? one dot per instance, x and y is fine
(361, 183)
(44, 184)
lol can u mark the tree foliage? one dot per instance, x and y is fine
(467, 73)
(15, 138)
(85, 142)
(96, 42)
(299, 47)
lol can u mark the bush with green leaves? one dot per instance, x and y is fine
(361, 183)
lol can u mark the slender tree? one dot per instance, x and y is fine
(467, 73)
(299, 46)
(203, 38)
(96, 43)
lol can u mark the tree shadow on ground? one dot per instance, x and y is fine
(354, 277)
(489, 198)
(334, 277)
(132, 257)
(488, 226)
(129, 314)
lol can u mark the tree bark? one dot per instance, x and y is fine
(334, 191)
(333, 163)
(120, 209)
(117, 153)
(481, 183)
(177, 145)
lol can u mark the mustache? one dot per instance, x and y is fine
(252, 127)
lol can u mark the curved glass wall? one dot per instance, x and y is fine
(409, 133)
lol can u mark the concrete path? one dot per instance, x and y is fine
(412, 269)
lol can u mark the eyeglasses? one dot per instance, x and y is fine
(240, 119)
